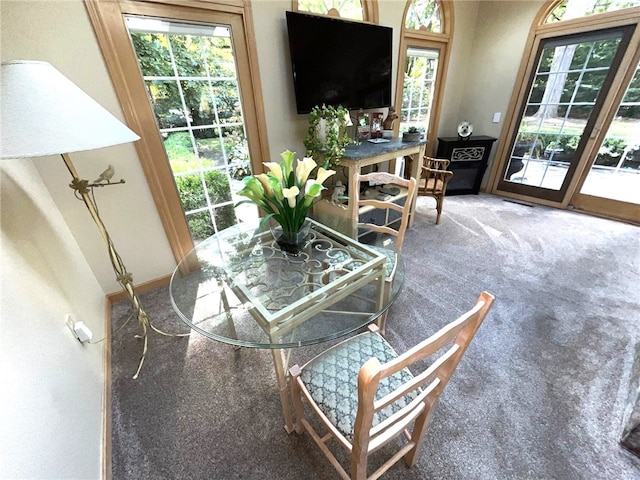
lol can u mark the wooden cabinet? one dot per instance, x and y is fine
(469, 159)
(344, 217)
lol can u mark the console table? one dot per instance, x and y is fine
(344, 217)
(469, 159)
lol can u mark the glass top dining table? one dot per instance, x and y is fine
(239, 288)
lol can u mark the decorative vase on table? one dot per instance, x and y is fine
(286, 193)
(289, 242)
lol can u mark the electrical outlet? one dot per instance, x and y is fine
(78, 329)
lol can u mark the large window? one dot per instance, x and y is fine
(426, 33)
(352, 9)
(562, 100)
(421, 66)
(190, 75)
(195, 100)
(616, 170)
(572, 134)
(568, 9)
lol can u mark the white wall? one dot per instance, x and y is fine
(59, 32)
(51, 401)
(55, 262)
(488, 45)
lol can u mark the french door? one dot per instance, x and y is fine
(611, 186)
(195, 101)
(191, 79)
(566, 95)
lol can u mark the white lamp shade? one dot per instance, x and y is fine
(44, 113)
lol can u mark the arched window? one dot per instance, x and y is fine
(351, 9)
(568, 9)
(424, 15)
(423, 60)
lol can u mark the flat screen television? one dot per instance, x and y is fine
(339, 62)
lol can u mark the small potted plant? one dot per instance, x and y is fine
(413, 134)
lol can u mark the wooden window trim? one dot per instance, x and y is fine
(436, 41)
(538, 32)
(369, 10)
(107, 19)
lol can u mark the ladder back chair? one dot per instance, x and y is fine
(433, 181)
(366, 396)
(393, 221)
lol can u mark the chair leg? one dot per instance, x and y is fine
(417, 435)
(439, 202)
(359, 468)
(296, 396)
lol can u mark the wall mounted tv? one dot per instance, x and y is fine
(339, 62)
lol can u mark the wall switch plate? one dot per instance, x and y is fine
(496, 117)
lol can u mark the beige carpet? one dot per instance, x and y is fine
(539, 395)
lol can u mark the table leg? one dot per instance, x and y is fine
(352, 207)
(381, 286)
(416, 172)
(227, 309)
(283, 387)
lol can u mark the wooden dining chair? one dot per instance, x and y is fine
(387, 215)
(433, 181)
(366, 396)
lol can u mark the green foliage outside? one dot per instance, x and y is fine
(556, 135)
(211, 134)
(600, 56)
(193, 197)
(209, 99)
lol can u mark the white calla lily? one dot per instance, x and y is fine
(291, 194)
(324, 174)
(304, 168)
(284, 180)
(264, 180)
(275, 169)
(313, 188)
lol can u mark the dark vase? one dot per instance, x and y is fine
(291, 242)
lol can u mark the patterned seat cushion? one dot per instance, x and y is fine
(332, 380)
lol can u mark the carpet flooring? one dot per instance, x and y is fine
(540, 393)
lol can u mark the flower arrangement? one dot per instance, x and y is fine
(284, 192)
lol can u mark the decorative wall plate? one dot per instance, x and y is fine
(465, 129)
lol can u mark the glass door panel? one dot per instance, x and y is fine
(558, 117)
(615, 174)
(421, 68)
(190, 75)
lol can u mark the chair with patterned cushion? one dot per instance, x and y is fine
(433, 181)
(366, 396)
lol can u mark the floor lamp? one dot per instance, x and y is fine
(44, 113)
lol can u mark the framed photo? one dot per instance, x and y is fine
(363, 125)
(376, 124)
